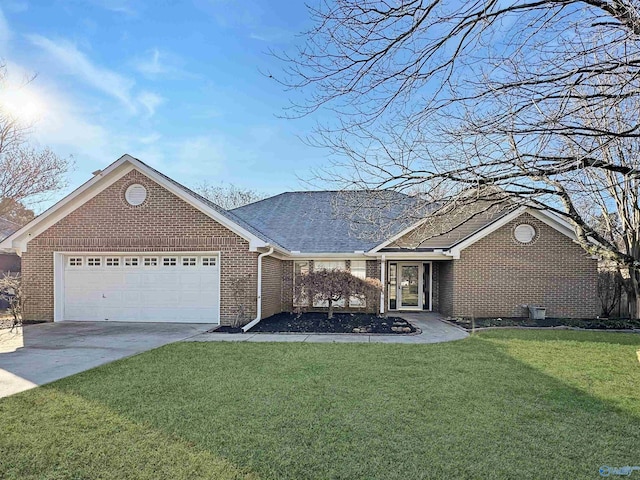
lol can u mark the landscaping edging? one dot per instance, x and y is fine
(363, 329)
(559, 327)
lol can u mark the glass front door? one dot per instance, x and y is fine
(409, 286)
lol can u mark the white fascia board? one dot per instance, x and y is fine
(549, 219)
(18, 240)
(326, 256)
(554, 222)
(411, 255)
(254, 241)
(487, 230)
(388, 242)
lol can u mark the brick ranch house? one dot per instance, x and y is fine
(131, 244)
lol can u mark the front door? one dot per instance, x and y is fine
(410, 286)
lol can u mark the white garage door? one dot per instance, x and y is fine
(142, 288)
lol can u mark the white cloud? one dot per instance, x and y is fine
(151, 66)
(124, 7)
(150, 101)
(159, 63)
(107, 81)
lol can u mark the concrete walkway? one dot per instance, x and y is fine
(433, 331)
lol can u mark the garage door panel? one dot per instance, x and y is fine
(133, 279)
(141, 294)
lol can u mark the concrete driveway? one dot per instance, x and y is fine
(39, 354)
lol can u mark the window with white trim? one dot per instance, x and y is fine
(300, 267)
(150, 261)
(359, 270)
(209, 261)
(328, 265)
(112, 261)
(169, 261)
(75, 261)
(94, 261)
(189, 261)
(131, 261)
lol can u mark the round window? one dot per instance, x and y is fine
(136, 194)
(524, 233)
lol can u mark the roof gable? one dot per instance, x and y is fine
(102, 180)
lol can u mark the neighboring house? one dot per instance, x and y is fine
(133, 245)
(9, 261)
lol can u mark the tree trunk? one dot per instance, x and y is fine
(330, 309)
(633, 292)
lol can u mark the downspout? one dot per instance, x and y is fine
(256, 320)
(383, 280)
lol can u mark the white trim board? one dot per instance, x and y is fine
(545, 217)
(59, 261)
(101, 181)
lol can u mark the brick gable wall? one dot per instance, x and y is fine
(162, 223)
(496, 275)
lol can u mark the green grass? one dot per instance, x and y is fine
(502, 404)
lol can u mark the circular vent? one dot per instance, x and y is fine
(136, 194)
(524, 233)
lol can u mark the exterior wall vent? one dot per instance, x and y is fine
(135, 195)
(524, 233)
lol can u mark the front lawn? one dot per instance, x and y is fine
(503, 404)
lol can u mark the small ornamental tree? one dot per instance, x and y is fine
(331, 286)
(11, 292)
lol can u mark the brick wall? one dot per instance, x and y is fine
(162, 223)
(435, 286)
(272, 270)
(497, 275)
(287, 285)
(445, 287)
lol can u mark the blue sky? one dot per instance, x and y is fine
(174, 83)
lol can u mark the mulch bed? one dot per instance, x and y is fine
(317, 322)
(589, 323)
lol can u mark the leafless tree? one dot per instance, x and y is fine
(27, 174)
(332, 286)
(228, 196)
(491, 103)
(244, 297)
(11, 292)
(610, 284)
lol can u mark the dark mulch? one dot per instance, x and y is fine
(225, 329)
(317, 322)
(590, 323)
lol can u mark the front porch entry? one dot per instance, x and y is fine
(410, 285)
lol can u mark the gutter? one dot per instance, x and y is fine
(256, 320)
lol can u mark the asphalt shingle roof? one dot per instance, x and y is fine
(7, 227)
(227, 213)
(329, 221)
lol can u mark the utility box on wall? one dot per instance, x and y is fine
(537, 313)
